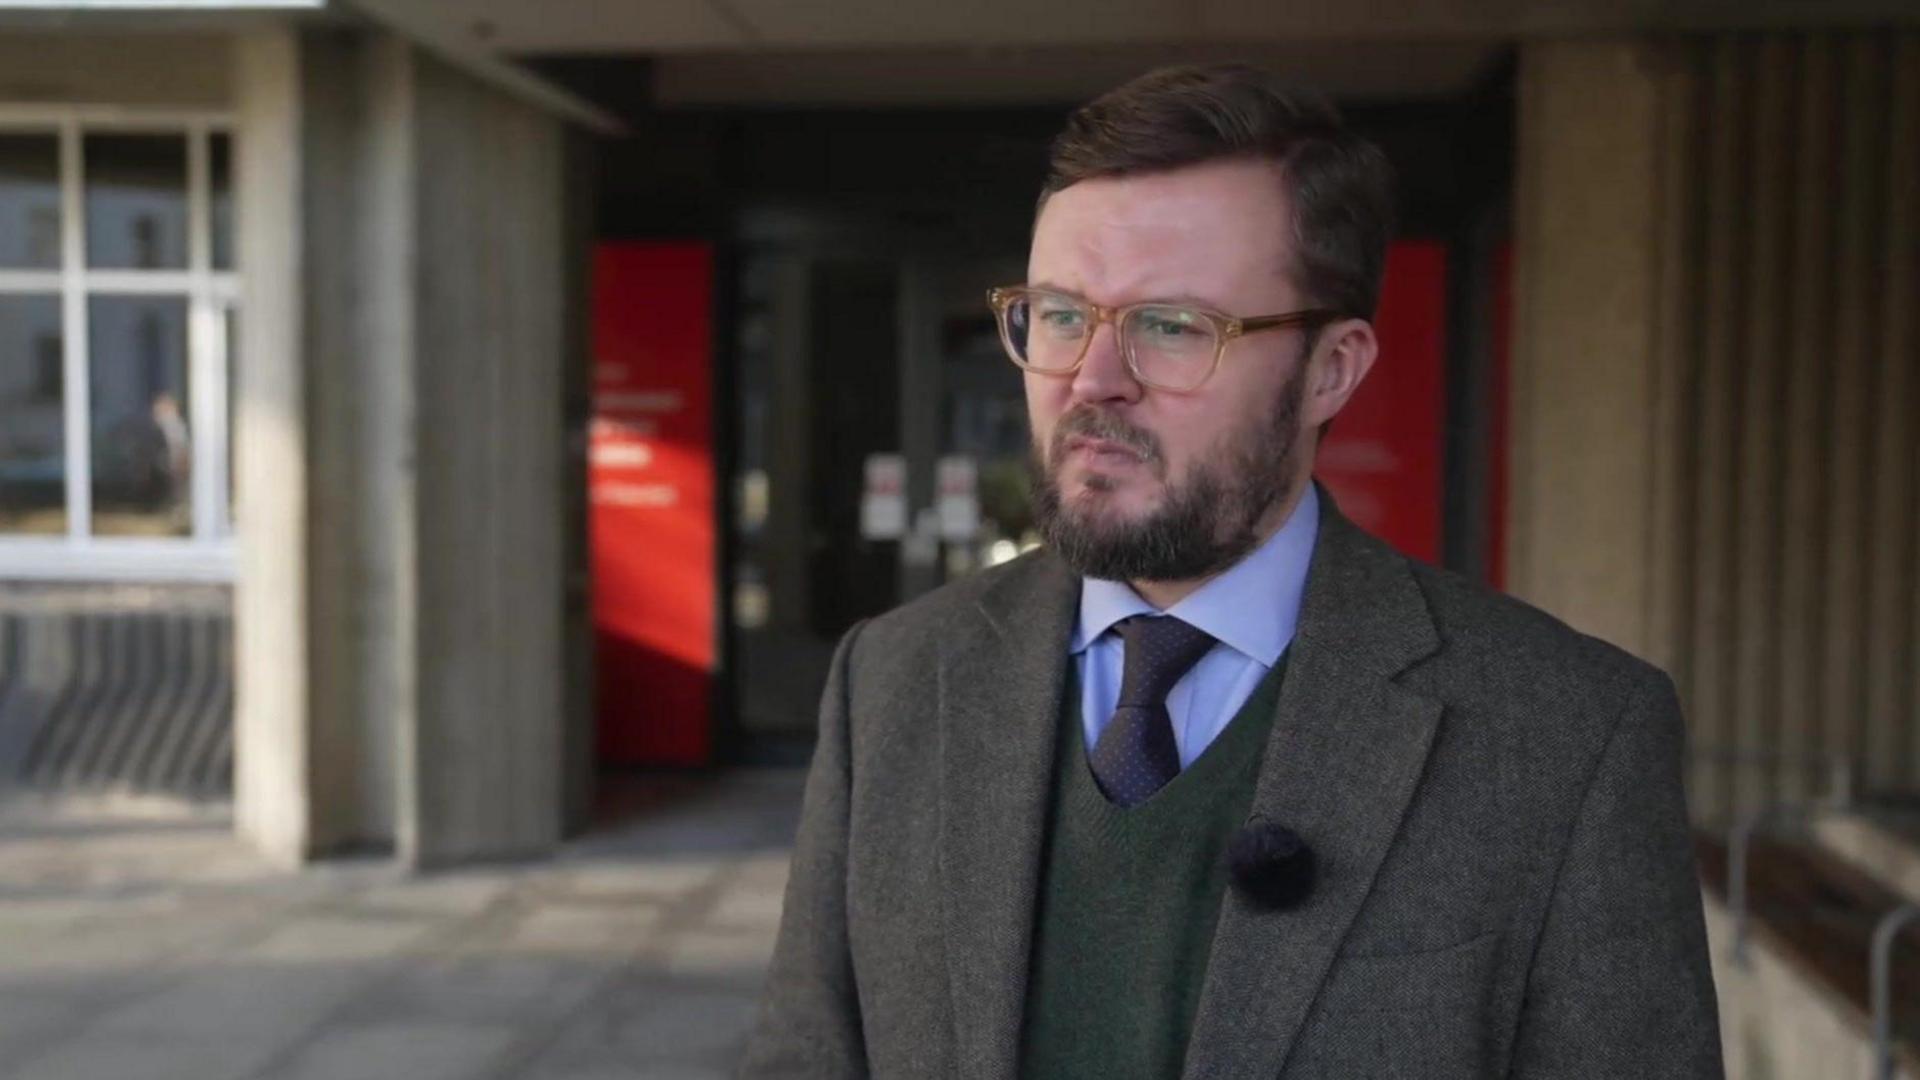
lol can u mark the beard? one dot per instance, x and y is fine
(1206, 522)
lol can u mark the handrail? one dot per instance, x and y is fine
(1840, 795)
(1881, 974)
(1739, 841)
(1839, 766)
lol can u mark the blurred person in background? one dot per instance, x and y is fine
(1215, 783)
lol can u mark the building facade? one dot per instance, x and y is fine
(308, 351)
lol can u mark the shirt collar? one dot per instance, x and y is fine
(1275, 571)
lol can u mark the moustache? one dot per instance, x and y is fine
(1093, 423)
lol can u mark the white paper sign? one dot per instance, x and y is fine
(922, 545)
(883, 501)
(957, 496)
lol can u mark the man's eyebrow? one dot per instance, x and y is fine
(1051, 287)
(1173, 298)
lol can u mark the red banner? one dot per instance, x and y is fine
(650, 483)
(1385, 456)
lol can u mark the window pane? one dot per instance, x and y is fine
(136, 202)
(142, 450)
(29, 202)
(220, 169)
(231, 321)
(33, 430)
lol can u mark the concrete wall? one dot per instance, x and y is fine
(273, 789)
(485, 767)
(405, 489)
(145, 69)
(1585, 379)
(1715, 453)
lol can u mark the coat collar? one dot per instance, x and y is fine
(1343, 760)
(1000, 699)
(1341, 764)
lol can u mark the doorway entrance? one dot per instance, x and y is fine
(869, 437)
(881, 441)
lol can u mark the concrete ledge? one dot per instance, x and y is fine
(1882, 847)
(1775, 1022)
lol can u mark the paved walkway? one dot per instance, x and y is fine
(148, 944)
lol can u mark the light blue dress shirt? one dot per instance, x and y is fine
(1251, 610)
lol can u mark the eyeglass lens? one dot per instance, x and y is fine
(1170, 345)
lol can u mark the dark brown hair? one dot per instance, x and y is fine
(1339, 184)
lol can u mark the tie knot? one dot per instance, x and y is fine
(1159, 649)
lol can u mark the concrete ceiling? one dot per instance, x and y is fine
(666, 26)
(875, 52)
(1378, 70)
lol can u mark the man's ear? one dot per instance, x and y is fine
(1344, 356)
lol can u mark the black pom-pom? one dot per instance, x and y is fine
(1270, 864)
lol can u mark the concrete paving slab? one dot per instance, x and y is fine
(143, 946)
(554, 929)
(535, 991)
(735, 957)
(275, 1003)
(439, 896)
(747, 908)
(400, 1051)
(335, 939)
(640, 881)
(125, 1057)
(31, 1019)
(657, 1021)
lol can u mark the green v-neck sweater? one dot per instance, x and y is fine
(1128, 901)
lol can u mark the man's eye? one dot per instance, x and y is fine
(1167, 327)
(1062, 319)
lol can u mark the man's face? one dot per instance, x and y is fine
(1138, 483)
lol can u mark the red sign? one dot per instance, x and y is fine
(650, 485)
(1384, 458)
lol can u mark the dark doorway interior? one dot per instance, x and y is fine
(855, 248)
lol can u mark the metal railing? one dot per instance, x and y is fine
(1839, 770)
(1840, 796)
(1881, 975)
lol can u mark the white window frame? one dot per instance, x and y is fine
(207, 552)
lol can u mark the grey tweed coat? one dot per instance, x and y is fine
(1507, 886)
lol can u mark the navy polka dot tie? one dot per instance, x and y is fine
(1136, 754)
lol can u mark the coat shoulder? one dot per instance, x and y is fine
(909, 637)
(1518, 652)
(956, 605)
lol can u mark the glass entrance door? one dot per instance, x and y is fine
(880, 445)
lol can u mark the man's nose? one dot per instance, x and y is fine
(1103, 374)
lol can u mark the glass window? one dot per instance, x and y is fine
(29, 202)
(220, 170)
(230, 322)
(142, 448)
(147, 329)
(33, 429)
(136, 202)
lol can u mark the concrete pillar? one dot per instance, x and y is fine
(482, 771)
(272, 792)
(1590, 424)
(1715, 458)
(402, 491)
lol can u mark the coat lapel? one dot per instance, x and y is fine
(1000, 691)
(1346, 753)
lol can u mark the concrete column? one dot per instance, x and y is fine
(482, 772)
(1714, 456)
(1591, 423)
(402, 496)
(271, 711)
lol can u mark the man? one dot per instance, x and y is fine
(1456, 829)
